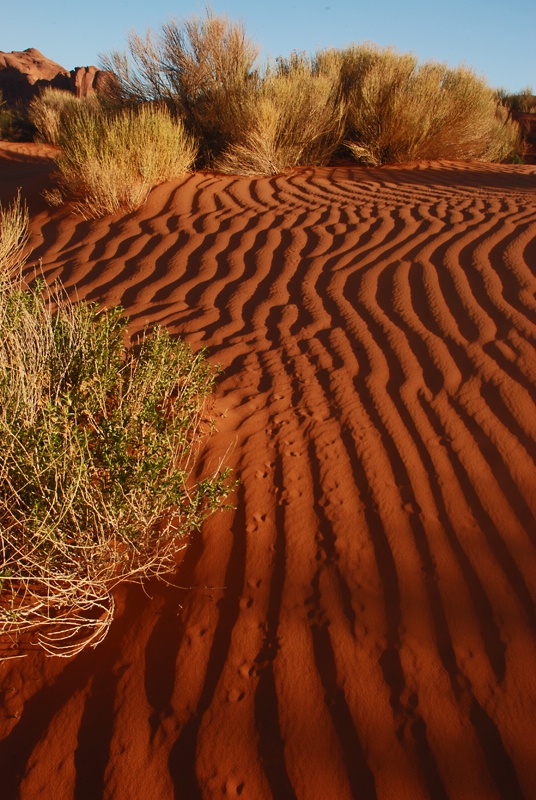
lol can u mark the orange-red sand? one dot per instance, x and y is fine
(364, 624)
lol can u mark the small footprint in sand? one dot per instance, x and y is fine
(263, 473)
(246, 670)
(235, 696)
(256, 520)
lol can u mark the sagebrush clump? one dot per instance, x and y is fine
(293, 119)
(50, 109)
(15, 125)
(202, 68)
(399, 110)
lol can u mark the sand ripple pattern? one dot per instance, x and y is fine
(364, 624)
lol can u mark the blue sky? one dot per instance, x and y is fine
(495, 38)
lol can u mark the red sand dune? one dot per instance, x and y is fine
(363, 625)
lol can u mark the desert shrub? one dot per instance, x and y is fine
(47, 110)
(256, 121)
(523, 102)
(294, 119)
(398, 110)
(203, 68)
(98, 446)
(328, 62)
(15, 125)
(111, 160)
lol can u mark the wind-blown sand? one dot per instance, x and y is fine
(363, 625)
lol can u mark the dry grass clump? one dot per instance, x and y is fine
(98, 443)
(48, 110)
(398, 110)
(13, 239)
(294, 119)
(111, 160)
(202, 68)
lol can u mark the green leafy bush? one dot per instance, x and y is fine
(98, 446)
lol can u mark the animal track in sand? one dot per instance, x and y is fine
(376, 329)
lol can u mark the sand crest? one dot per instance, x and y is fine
(363, 625)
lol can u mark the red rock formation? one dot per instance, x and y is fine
(22, 74)
(86, 80)
(25, 74)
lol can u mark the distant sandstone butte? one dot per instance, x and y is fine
(24, 74)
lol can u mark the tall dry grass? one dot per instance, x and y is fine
(14, 237)
(110, 161)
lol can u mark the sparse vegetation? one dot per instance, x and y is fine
(523, 102)
(111, 159)
(384, 106)
(98, 446)
(194, 95)
(13, 240)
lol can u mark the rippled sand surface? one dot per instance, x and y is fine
(363, 624)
